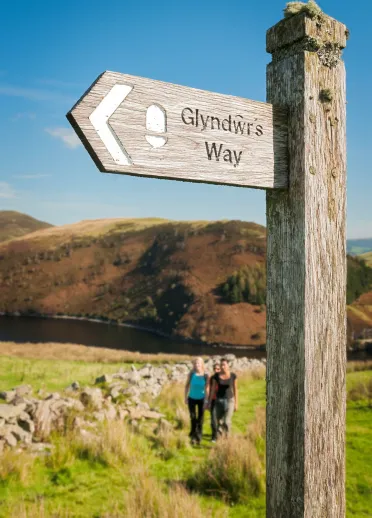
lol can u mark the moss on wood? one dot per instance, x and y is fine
(311, 9)
(325, 95)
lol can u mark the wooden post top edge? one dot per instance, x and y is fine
(322, 28)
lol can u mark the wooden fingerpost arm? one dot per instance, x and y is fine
(306, 274)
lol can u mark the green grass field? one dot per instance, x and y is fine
(130, 474)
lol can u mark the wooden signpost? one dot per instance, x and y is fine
(149, 128)
(296, 149)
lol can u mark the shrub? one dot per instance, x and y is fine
(62, 455)
(115, 445)
(233, 471)
(359, 278)
(256, 373)
(169, 441)
(361, 391)
(248, 284)
(256, 431)
(112, 445)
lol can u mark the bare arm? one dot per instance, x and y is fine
(212, 391)
(236, 394)
(207, 387)
(187, 386)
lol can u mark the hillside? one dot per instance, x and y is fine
(15, 224)
(154, 273)
(367, 257)
(198, 280)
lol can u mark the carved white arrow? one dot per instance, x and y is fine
(100, 116)
(138, 126)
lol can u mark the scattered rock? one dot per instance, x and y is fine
(138, 413)
(115, 392)
(23, 390)
(20, 434)
(99, 415)
(55, 396)
(8, 396)
(27, 425)
(110, 412)
(10, 411)
(92, 397)
(132, 391)
(122, 413)
(133, 377)
(40, 447)
(74, 387)
(145, 372)
(9, 439)
(119, 375)
(43, 418)
(105, 378)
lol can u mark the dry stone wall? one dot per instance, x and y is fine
(27, 420)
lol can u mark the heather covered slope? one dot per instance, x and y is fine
(359, 297)
(198, 280)
(155, 273)
(14, 224)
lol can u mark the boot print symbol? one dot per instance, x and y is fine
(156, 123)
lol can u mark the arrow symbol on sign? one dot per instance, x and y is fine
(100, 116)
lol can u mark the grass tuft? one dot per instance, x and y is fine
(147, 499)
(172, 402)
(358, 366)
(113, 445)
(15, 466)
(361, 391)
(233, 471)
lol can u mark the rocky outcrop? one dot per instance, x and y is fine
(28, 420)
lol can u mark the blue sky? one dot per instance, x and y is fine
(53, 50)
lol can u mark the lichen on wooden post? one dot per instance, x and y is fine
(306, 267)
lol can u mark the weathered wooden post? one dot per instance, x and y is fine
(306, 265)
(138, 126)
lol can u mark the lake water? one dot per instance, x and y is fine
(97, 334)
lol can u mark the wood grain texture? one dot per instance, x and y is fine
(306, 268)
(301, 27)
(257, 158)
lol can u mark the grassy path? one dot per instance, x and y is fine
(74, 483)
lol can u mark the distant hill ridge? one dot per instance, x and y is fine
(359, 246)
(159, 274)
(15, 224)
(202, 280)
